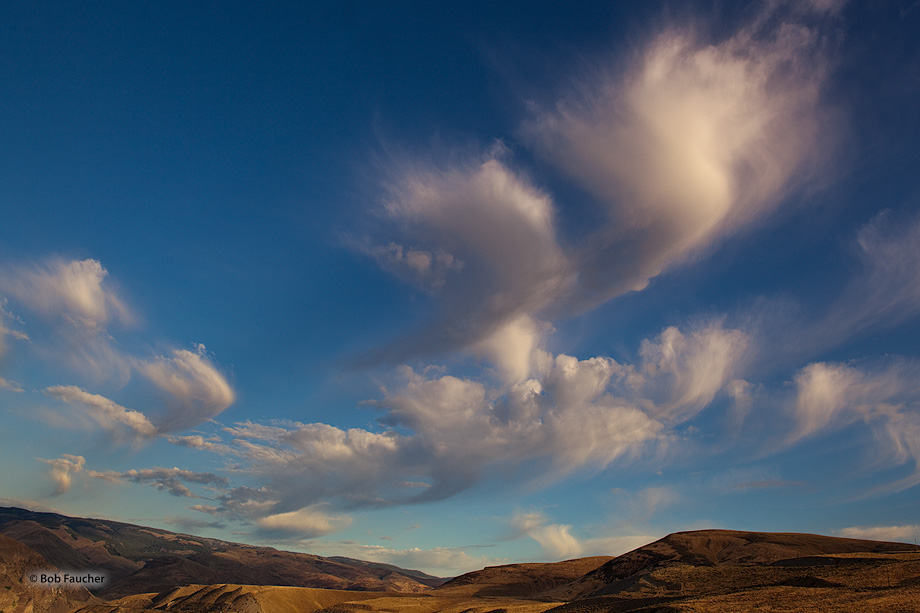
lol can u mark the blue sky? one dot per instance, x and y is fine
(450, 286)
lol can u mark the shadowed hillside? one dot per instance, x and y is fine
(16, 595)
(704, 548)
(140, 560)
(718, 571)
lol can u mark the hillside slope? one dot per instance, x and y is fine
(139, 559)
(704, 548)
(17, 561)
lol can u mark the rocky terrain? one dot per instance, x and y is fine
(18, 595)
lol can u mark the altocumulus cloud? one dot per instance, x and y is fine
(443, 434)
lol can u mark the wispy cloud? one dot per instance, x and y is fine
(72, 291)
(63, 469)
(109, 415)
(170, 480)
(76, 304)
(692, 142)
(885, 397)
(555, 539)
(306, 523)
(904, 534)
(442, 561)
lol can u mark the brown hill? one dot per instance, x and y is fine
(228, 597)
(715, 548)
(140, 560)
(17, 561)
(521, 580)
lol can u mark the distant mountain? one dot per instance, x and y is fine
(139, 559)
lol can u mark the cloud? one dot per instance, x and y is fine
(306, 523)
(427, 268)
(198, 389)
(170, 480)
(886, 291)
(73, 291)
(693, 142)
(885, 397)
(77, 304)
(499, 225)
(6, 319)
(555, 539)
(441, 561)
(10, 386)
(63, 468)
(112, 417)
(904, 534)
(443, 434)
(684, 372)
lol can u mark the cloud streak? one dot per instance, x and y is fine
(112, 417)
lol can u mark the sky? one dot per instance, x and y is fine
(449, 285)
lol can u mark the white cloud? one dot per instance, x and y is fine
(112, 417)
(440, 561)
(308, 522)
(198, 389)
(684, 372)
(694, 142)
(555, 539)
(10, 386)
(904, 534)
(63, 468)
(74, 291)
(885, 397)
(503, 230)
(513, 347)
(444, 434)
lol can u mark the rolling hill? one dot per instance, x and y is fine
(705, 570)
(139, 559)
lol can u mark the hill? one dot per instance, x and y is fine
(521, 580)
(139, 559)
(706, 548)
(717, 571)
(18, 595)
